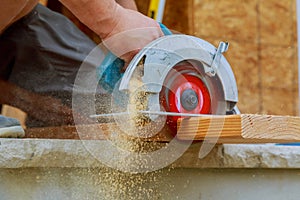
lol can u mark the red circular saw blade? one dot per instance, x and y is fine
(172, 98)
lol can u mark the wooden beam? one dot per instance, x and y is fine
(245, 128)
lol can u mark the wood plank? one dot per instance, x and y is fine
(86, 132)
(245, 128)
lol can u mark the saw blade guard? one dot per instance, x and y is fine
(178, 60)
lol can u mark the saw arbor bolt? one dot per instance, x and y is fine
(189, 99)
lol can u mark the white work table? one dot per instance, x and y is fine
(65, 169)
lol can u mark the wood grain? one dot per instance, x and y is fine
(87, 132)
(245, 128)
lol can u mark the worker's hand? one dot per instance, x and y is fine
(129, 33)
(124, 31)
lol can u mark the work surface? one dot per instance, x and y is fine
(22, 153)
(64, 169)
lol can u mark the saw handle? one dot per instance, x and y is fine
(110, 69)
(165, 30)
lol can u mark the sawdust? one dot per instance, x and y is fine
(126, 186)
(138, 101)
(133, 185)
(130, 137)
(135, 123)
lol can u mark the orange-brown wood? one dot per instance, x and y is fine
(245, 128)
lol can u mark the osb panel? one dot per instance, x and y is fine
(277, 66)
(278, 101)
(276, 24)
(294, 23)
(226, 19)
(178, 15)
(243, 59)
(295, 70)
(249, 100)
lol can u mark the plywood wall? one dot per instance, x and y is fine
(263, 46)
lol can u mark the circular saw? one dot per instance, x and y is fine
(176, 76)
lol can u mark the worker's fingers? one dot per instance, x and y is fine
(132, 32)
(129, 41)
(127, 58)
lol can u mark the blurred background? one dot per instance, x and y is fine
(263, 45)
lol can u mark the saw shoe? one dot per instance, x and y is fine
(10, 128)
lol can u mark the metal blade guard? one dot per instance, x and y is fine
(182, 73)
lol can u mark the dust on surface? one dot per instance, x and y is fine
(127, 186)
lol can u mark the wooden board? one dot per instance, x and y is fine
(245, 128)
(85, 132)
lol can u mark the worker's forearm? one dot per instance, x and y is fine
(98, 15)
(12, 10)
(129, 4)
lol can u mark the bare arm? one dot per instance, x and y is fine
(129, 4)
(12, 10)
(98, 15)
(124, 31)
